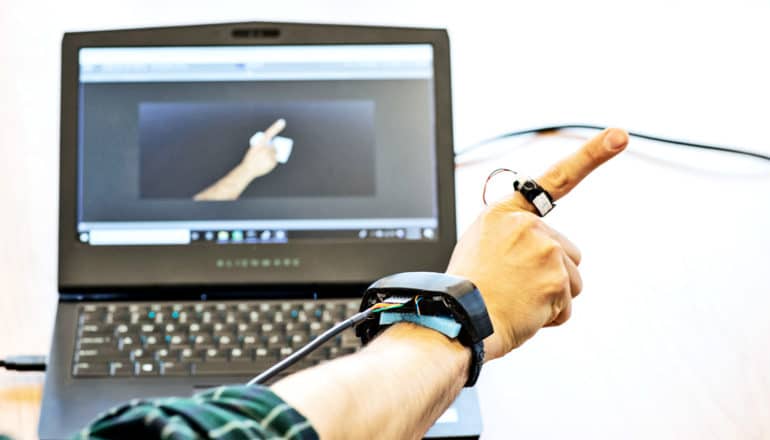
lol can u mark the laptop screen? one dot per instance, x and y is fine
(234, 145)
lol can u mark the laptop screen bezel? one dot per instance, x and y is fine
(86, 267)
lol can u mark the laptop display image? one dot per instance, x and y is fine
(160, 124)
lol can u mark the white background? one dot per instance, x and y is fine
(671, 337)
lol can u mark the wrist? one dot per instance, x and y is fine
(403, 338)
(245, 172)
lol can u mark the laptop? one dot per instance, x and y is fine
(227, 193)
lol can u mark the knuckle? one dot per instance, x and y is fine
(525, 220)
(556, 286)
(551, 248)
(578, 256)
(558, 179)
(555, 311)
(559, 281)
(564, 316)
(590, 154)
(577, 289)
(489, 219)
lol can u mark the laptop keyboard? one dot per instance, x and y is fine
(205, 338)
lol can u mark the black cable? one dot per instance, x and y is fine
(547, 129)
(312, 345)
(24, 363)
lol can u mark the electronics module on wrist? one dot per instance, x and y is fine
(433, 300)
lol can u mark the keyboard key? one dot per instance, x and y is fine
(188, 354)
(264, 353)
(93, 328)
(274, 341)
(349, 339)
(202, 341)
(100, 353)
(213, 354)
(95, 318)
(90, 369)
(142, 355)
(121, 368)
(177, 341)
(170, 368)
(246, 328)
(153, 341)
(146, 369)
(96, 339)
(166, 354)
(239, 355)
(127, 342)
(297, 340)
(249, 341)
(226, 342)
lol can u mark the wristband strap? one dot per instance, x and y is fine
(477, 360)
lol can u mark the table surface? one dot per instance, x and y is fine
(670, 338)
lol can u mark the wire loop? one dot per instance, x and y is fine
(489, 177)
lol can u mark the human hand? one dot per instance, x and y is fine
(260, 158)
(526, 271)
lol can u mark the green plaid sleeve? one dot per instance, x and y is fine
(227, 412)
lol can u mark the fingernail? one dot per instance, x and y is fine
(615, 139)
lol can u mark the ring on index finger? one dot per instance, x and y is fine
(535, 194)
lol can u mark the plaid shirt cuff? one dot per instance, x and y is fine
(227, 412)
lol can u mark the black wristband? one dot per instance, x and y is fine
(440, 296)
(477, 360)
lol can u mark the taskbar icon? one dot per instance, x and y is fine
(236, 236)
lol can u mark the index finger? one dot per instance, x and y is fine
(274, 129)
(565, 175)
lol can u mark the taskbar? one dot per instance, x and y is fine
(126, 237)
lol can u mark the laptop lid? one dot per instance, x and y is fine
(152, 118)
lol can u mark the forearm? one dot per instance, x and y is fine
(394, 388)
(228, 187)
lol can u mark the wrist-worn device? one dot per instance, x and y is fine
(448, 304)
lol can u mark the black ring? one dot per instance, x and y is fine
(535, 195)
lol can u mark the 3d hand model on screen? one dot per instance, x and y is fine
(266, 150)
(282, 145)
